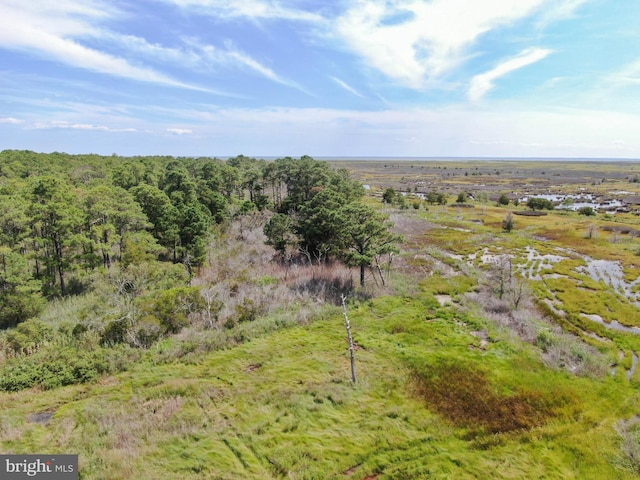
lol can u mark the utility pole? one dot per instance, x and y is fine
(350, 338)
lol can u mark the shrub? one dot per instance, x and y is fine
(115, 332)
(587, 211)
(508, 222)
(389, 196)
(148, 332)
(27, 337)
(247, 311)
(172, 307)
(540, 204)
(67, 366)
(503, 200)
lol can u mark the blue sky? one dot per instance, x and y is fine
(490, 78)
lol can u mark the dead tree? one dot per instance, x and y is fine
(350, 338)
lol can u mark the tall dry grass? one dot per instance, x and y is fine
(249, 291)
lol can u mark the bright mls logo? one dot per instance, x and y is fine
(49, 467)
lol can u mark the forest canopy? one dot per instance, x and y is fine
(67, 220)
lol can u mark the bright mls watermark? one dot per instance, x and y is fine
(49, 467)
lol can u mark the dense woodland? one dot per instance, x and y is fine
(137, 231)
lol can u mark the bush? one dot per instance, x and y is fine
(540, 204)
(67, 366)
(587, 211)
(389, 196)
(115, 332)
(172, 307)
(27, 337)
(148, 332)
(247, 311)
(508, 222)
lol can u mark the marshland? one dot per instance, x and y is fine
(185, 317)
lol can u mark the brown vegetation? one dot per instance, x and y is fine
(465, 396)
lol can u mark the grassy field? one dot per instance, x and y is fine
(432, 401)
(456, 379)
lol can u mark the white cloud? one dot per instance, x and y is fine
(67, 125)
(239, 58)
(11, 120)
(140, 46)
(347, 87)
(627, 75)
(416, 42)
(180, 131)
(199, 57)
(253, 9)
(53, 29)
(560, 11)
(505, 130)
(481, 84)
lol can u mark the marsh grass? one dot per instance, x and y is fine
(262, 390)
(282, 405)
(464, 395)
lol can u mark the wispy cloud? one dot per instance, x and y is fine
(61, 124)
(560, 10)
(199, 57)
(483, 83)
(416, 42)
(252, 9)
(452, 131)
(180, 131)
(237, 57)
(53, 30)
(11, 120)
(627, 75)
(347, 87)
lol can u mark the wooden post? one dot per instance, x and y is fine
(350, 338)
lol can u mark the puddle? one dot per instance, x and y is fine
(613, 324)
(612, 274)
(537, 263)
(607, 271)
(487, 257)
(575, 202)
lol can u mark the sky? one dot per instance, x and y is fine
(326, 78)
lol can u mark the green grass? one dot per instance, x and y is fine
(272, 398)
(428, 404)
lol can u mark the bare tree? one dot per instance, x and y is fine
(349, 338)
(213, 306)
(506, 283)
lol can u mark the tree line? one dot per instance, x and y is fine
(66, 218)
